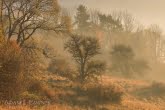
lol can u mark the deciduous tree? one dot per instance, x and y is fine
(83, 49)
(22, 18)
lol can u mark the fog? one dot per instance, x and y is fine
(82, 54)
(146, 11)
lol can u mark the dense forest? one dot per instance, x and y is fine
(53, 60)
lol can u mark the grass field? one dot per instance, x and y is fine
(138, 95)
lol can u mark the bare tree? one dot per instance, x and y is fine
(83, 49)
(128, 21)
(154, 34)
(94, 16)
(24, 17)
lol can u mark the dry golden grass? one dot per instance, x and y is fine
(129, 102)
(50, 107)
(126, 105)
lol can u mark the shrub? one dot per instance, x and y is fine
(41, 89)
(62, 68)
(11, 82)
(35, 87)
(123, 61)
(105, 94)
(158, 88)
(18, 66)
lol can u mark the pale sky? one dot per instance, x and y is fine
(146, 11)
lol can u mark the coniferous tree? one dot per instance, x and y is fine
(82, 19)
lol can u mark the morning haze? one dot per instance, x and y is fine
(146, 11)
(82, 55)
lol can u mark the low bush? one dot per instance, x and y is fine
(158, 88)
(105, 94)
(41, 89)
(61, 67)
(155, 90)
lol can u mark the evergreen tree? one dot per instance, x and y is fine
(82, 19)
(108, 23)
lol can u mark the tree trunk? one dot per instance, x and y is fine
(82, 75)
(1, 23)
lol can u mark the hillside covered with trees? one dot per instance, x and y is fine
(53, 60)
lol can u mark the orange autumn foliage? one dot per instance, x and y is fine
(10, 70)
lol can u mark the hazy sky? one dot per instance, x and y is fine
(146, 11)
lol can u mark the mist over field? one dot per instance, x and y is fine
(82, 55)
